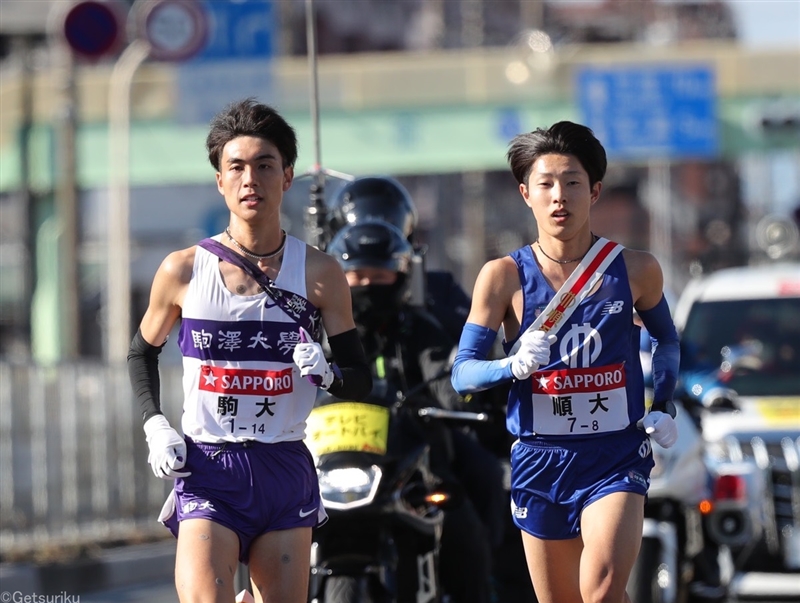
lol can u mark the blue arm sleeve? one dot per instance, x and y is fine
(471, 371)
(666, 351)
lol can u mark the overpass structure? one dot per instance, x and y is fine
(400, 113)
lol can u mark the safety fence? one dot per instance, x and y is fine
(73, 456)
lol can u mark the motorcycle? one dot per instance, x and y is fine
(385, 505)
(677, 559)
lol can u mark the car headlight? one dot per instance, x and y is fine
(348, 487)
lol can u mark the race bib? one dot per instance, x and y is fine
(580, 401)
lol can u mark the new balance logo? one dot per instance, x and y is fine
(614, 307)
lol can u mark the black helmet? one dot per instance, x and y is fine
(373, 198)
(375, 244)
(371, 244)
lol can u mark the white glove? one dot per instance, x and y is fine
(311, 361)
(661, 427)
(167, 448)
(533, 352)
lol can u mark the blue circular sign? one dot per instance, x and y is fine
(175, 29)
(94, 29)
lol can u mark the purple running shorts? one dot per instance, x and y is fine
(248, 487)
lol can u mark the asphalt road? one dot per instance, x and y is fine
(144, 573)
(163, 591)
(156, 592)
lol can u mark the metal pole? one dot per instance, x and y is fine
(660, 194)
(23, 48)
(532, 13)
(118, 283)
(316, 211)
(67, 206)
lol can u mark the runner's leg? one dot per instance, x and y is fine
(553, 566)
(205, 562)
(279, 566)
(612, 534)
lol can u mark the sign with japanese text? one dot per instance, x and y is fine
(646, 111)
(348, 426)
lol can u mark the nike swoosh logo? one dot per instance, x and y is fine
(307, 513)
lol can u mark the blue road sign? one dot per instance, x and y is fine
(238, 29)
(651, 111)
(234, 63)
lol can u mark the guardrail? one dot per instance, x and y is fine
(73, 457)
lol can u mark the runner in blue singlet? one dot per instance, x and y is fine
(580, 468)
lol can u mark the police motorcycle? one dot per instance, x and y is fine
(385, 505)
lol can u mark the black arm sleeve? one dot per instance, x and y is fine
(143, 371)
(354, 379)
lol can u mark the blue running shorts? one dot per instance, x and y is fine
(248, 487)
(552, 482)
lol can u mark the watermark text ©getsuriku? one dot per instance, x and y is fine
(17, 596)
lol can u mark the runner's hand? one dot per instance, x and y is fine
(311, 361)
(534, 351)
(167, 448)
(661, 427)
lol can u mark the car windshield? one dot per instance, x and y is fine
(755, 344)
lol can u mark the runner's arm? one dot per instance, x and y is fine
(666, 353)
(491, 299)
(647, 287)
(472, 372)
(353, 379)
(162, 313)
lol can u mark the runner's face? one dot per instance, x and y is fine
(252, 178)
(559, 194)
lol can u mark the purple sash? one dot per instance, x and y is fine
(297, 307)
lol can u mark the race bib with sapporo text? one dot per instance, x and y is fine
(579, 401)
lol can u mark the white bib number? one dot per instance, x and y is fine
(580, 401)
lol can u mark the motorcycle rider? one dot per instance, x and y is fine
(410, 352)
(384, 198)
(380, 197)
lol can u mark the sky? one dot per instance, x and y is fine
(767, 23)
(760, 23)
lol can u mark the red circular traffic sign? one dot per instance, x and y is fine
(94, 29)
(175, 29)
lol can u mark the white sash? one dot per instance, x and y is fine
(575, 289)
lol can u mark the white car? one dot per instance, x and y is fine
(740, 358)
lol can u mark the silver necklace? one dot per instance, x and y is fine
(594, 238)
(256, 256)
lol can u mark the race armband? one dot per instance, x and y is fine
(352, 377)
(143, 373)
(471, 371)
(666, 353)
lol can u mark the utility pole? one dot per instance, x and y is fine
(22, 51)
(473, 183)
(67, 203)
(532, 13)
(659, 187)
(118, 283)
